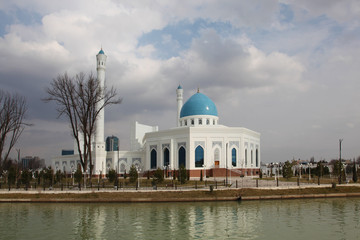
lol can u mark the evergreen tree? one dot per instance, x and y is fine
(78, 175)
(133, 174)
(337, 170)
(287, 170)
(12, 175)
(158, 176)
(111, 175)
(354, 172)
(26, 176)
(58, 176)
(182, 174)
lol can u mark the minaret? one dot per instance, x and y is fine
(101, 67)
(179, 93)
(99, 144)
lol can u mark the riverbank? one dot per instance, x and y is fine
(200, 195)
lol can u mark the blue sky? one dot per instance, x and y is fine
(287, 69)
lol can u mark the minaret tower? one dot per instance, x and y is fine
(101, 67)
(99, 144)
(179, 93)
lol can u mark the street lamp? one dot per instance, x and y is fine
(72, 176)
(275, 170)
(138, 171)
(230, 172)
(168, 171)
(226, 163)
(340, 141)
(204, 166)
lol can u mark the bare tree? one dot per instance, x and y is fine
(80, 99)
(12, 114)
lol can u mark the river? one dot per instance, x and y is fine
(336, 218)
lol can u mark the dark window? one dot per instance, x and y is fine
(182, 157)
(153, 159)
(199, 156)
(233, 157)
(166, 157)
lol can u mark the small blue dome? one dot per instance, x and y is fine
(101, 52)
(198, 104)
(179, 87)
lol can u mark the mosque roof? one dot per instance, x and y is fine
(101, 52)
(179, 87)
(198, 104)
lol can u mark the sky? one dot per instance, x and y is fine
(286, 69)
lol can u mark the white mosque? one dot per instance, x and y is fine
(198, 142)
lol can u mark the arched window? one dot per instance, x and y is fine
(216, 157)
(166, 157)
(199, 156)
(153, 159)
(257, 158)
(245, 157)
(252, 157)
(182, 157)
(233, 157)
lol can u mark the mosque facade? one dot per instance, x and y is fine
(198, 142)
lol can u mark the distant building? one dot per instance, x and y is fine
(30, 162)
(112, 144)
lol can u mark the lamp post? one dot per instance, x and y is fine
(138, 171)
(98, 173)
(226, 163)
(275, 170)
(230, 172)
(168, 169)
(204, 166)
(72, 176)
(340, 141)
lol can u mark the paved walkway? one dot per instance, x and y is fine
(233, 182)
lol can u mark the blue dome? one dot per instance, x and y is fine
(101, 52)
(179, 87)
(198, 104)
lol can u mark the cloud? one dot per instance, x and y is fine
(279, 68)
(213, 61)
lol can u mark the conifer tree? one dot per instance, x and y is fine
(354, 172)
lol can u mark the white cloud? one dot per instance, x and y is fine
(274, 77)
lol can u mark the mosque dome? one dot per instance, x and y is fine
(198, 104)
(101, 52)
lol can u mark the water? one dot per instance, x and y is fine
(288, 219)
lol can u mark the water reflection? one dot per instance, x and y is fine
(295, 219)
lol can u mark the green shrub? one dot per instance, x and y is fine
(158, 176)
(133, 174)
(111, 175)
